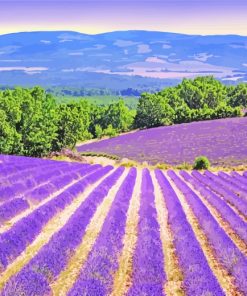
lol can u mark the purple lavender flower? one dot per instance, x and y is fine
(148, 261)
(226, 251)
(96, 274)
(198, 277)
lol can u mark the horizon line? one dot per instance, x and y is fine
(115, 31)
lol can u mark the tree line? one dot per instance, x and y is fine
(33, 123)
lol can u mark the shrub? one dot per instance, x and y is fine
(98, 131)
(201, 163)
(110, 131)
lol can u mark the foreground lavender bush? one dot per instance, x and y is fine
(227, 253)
(14, 241)
(102, 261)
(53, 257)
(148, 261)
(237, 224)
(35, 249)
(198, 278)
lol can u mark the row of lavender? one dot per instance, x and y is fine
(226, 193)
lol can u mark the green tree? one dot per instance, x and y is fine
(119, 116)
(153, 110)
(238, 95)
(73, 125)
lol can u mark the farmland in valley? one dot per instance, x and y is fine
(80, 229)
(223, 141)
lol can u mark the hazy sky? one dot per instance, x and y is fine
(96, 16)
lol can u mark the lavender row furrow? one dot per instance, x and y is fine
(227, 195)
(198, 277)
(225, 250)
(239, 178)
(96, 277)
(54, 256)
(239, 188)
(148, 275)
(11, 208)
(41, 184)
(22, 233)
(15, 168)
(17, 186)
(236, 223)
(227, 185)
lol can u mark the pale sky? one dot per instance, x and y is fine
(181, 16)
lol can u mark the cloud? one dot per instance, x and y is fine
(155, 60)
(75, 53)
(143, 48)
(166, 46)
(203, 56)
(239, 45)
(45, 41)
(8, 49)
(11, 61)
(27, 70)
(125, 43)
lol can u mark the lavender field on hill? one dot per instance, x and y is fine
(78, 229)
(223, 141)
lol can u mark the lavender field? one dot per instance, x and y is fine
(79, 229)
(223, 141)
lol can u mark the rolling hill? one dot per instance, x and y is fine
(223, 141)
(118, 60)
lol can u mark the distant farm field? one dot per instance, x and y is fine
(78, 229)
(223, 141)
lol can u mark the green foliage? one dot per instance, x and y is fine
(238, 95)
(201, 163)
(153, 111)
(98, 131)
(118, 116)
(73, 125)
(29, 121)
(203, 98)
(109, 131)
(202, 91)
(34, 123)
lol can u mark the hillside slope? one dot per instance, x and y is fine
(223, 141)
(107, 60)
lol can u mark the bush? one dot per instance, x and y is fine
(201, 163)
(110, 131)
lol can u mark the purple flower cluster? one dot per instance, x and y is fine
(225, 193)
(226, 251)
(238, 186)
(236, 223)
(11, 208)
(198, 277)
(148, 262)
(37, 193)
(22, 233)
(53, 257)
(18, 184)
(241, 179)
(226, 181)
(96, 275)
(223, 141)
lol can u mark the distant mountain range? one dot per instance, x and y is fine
(117, 60)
